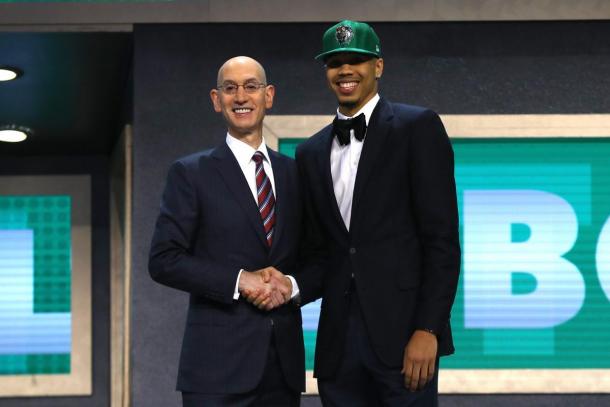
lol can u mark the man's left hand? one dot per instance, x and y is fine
(419, 361)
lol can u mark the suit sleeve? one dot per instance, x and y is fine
(312, 249)
(435, 211)
(171, 259)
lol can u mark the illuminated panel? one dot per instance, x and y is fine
(35, 279)
(45, 285)
(531, 215)
(534, 291)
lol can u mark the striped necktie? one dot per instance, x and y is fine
(266, 200)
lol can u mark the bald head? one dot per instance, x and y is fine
(243, 96)
(242, 62)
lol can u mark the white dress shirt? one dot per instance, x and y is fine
(243, 153)
(344, 163)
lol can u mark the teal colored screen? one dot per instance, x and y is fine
(534, 290)
(35, 284)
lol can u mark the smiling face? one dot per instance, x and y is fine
(243, 111)
(353, 79)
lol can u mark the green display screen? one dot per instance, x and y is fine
(534, 289)
(35, 284)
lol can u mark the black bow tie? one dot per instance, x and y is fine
(342, 127)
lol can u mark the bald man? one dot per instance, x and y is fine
(227, 214)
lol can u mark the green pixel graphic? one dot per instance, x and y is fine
(49, 217)
(577, 172)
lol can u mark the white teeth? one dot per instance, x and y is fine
(242, 110)
(348, 84)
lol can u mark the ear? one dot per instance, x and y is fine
(215, 100)
(378, 68)
(269, 94)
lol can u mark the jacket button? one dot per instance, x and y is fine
(352, 250)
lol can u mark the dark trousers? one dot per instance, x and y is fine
(363, 380)
(272, 391)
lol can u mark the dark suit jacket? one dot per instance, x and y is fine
(208, 229)
(403, 243)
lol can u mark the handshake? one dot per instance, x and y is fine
(266, 288)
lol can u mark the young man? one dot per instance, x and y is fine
(380, 203)
(219, 221)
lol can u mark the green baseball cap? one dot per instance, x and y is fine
(350, 36)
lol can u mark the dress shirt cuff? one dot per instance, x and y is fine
(295, 287)
(236, 292)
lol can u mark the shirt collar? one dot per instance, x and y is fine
(367, 109)
(243, 152)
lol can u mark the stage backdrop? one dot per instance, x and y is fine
(45, 286)
(535, 231)
(453, 68)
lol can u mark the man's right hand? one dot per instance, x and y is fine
(266, 288)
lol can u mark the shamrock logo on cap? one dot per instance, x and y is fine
(349, 36)
(344, 35)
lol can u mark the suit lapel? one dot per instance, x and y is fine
(324, 167)
(376, 136)
(281, 189)
(234, 178)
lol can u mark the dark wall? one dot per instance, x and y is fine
(454, 68)
(96, 167)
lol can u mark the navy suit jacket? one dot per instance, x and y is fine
(209, 228)
(403, 244)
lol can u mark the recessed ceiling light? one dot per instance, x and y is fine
(14, 134)
(8, 73)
